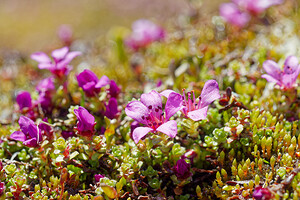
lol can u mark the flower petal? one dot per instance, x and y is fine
(209, 93)
(28, 127)
(232, 14)
(169, 128)
(104, 80)
(166, 93)
(289, 80)
(152, 100)
(272, 69)
(199, 114)
(60, 54)
(24, 100)
(70, 56)
(31, 142)
(111, 108)
(137, 111)
(173, 105)
(85, 77)
(291, 64)
(270, 79)
(140, 132)
(86, 121)
(40, 57)
(18, 135)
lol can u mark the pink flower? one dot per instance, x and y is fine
(59, 66)
(233, 15)
(256, 6)
(239, 11)
(285, 78)
(90, 83)
(30, 134)
(143, 33)
(98, 177)
(65, 34)
(86, 122)
(182, 169)
(24, 100)
(149, 112)
(193, 109)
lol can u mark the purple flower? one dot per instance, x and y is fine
(256, 6)
(45, 88)
(233, 15)
(285, 78)
(260, 193)
(24, 100)
(143, 33)
(45, 85)
(65, 34)
(30, 134)
(90, 83)
(86, 122)
(61, 58)
(114, 89)
(239, 11)
(2, 188)
(98, 177)
(149, 112)
(182, 169)
(67, 134)
(111, 108)
(197, 110)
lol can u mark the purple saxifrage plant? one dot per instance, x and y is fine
(286, 78)
(143, 33)
(193, 109)
(59, 66)
(239, 12)
(149, 112)
(90, 83)
(24, 100)
(30, 134)
(86, 122)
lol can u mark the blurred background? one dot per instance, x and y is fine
(31, 25)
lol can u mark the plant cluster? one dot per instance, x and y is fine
(201, 113)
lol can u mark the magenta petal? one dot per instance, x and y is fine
(152, 100)
(209, 93)
(173, 105)
(199, 114)
(60, 54)
(169, 128)
(166, 93)
(28, 127)
(40, 57)
(111, 108)
(18, 135)
(70, 56)
(85, 77)
(46, 66)
(31, 142)
(232, 14)
(104, 80)
(137, 111)
(86, 121)
(272, 69)
(46, 84)
(24, 100)
(140, 132)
